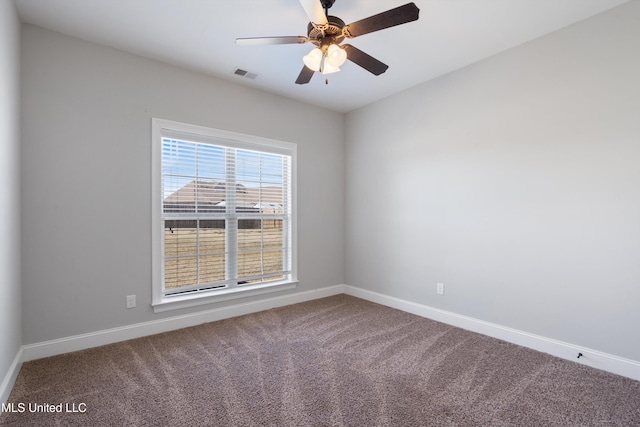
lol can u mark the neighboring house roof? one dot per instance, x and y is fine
(214, 193)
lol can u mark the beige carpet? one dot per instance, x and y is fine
(337, 361)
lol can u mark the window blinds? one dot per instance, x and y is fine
(226, 211)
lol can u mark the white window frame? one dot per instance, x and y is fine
(160, 129)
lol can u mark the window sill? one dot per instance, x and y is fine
(185, 301)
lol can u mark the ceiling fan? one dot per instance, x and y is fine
(328, 32)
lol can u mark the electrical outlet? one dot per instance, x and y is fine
(440, 288)
(131, 301)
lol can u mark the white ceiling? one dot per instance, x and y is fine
(200, 35)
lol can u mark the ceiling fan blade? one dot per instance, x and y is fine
(365, 60)
(305, 75)
(263, 41)
(314, 11)
(390, 18)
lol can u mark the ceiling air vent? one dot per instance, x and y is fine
(245, 73)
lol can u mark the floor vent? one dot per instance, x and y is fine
(245, 73)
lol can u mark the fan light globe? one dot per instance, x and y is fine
(328, 68)
(336, 55)
(313, 59)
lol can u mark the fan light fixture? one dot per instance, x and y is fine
(328, 68)
(313, 59)
(333, 57)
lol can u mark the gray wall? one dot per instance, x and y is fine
(10, 302)
(86, 189)
(516, 183)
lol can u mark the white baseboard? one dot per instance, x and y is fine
(596, 359)
(109, 336)
(607, 362)
(10, 378)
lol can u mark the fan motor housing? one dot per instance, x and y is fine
(333, 29)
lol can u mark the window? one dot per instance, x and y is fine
(223, 215)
